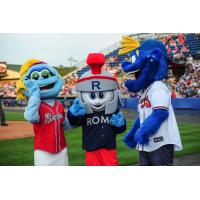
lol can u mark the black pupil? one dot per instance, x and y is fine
(101, 95)
(45, 75)
(36, 77)
(92, 95)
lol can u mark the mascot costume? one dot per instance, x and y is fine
(155, 132)
(41, 84)
(96, 110)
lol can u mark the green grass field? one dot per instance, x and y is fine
(20, 151)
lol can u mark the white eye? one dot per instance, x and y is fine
(92, 95)
(133, 58)
(101, 95)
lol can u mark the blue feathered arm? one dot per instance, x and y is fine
(31, 113)
(129, 137)
(66, 124)
(151, 125)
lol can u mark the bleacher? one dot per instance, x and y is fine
(192, 41)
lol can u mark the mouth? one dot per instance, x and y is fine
(97, 106)
(133, 72)
(46, 87)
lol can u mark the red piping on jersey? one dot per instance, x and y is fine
(55, 129)
(96, 77)
(160, 107)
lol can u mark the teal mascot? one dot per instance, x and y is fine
(40, 84)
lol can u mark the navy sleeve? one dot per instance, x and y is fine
(73, 120)
(122, 128)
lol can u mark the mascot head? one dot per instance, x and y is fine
(149, 62)
(97, 89)
(46, 77)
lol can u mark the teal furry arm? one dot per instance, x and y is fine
(66, 124)
(31, 113)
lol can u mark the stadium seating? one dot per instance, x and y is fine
(192, 41)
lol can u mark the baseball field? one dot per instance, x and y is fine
(19, 152)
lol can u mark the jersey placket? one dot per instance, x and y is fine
(58, 127)
(55, 123)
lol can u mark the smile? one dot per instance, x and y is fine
(97, 106)
(46, 87)
(133, 72)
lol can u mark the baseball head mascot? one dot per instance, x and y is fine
(155, 132)
(96, 110)
(40, 84)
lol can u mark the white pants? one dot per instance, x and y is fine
(44, 158)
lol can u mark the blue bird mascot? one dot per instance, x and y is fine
(155, 132)
(40, 84)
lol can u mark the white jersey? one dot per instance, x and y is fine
(158, 96)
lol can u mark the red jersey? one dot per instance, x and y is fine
(49, 134)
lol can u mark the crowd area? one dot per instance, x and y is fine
(187, 85)
(8, 89)
(176, 46)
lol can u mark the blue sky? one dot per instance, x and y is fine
(16, 48)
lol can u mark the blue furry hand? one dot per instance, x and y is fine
(77, 109)
(117, 119)
(141, 137)
(129, 140)
(33, 88)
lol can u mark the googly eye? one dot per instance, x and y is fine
(137, 53)
(35, 75)
(133, 58)
(101, 95)
(45, 73)
(92, 95)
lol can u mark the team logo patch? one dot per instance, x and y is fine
(158, 139)
(49, 117)
(145, 103)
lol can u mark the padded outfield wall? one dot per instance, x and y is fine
(187, 110)
(177, 103)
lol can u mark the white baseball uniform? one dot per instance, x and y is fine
(158, 96)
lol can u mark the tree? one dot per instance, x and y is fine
(71, 60)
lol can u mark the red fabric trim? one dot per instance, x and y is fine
(96, 77)
(160, 107)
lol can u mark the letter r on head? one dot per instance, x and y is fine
(96, 84)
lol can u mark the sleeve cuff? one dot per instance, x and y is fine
(160, 107)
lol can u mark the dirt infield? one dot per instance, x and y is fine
(16, 129)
